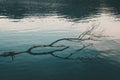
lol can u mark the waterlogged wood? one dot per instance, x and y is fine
(88, 36)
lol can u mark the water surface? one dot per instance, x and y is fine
(25, 23)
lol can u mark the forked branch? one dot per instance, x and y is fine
(82, 38)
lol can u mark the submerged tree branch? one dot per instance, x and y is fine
(85, 36)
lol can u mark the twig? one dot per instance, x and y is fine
(85, 36)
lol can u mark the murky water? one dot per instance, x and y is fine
(26, 23)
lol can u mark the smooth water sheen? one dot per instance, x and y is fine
(25, 23)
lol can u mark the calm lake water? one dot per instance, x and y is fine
(26, 23)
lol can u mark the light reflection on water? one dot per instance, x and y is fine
(27, 22)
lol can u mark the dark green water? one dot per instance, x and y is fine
(26, 23)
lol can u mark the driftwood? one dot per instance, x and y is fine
(88, 36)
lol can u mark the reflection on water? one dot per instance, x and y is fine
(19, 9)
(70, 9)
(26, 23)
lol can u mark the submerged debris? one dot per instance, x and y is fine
(84, 37)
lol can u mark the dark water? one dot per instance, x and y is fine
(26, 23)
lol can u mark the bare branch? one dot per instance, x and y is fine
(85, 36)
